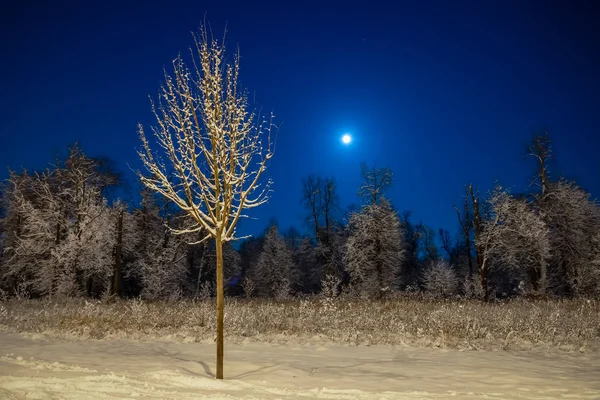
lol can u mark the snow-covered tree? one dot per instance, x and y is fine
(275, 273)
(31, 255)
(574, 220)
(215, 151)
(513, 237)
(159, 260)
(594, 270)
(374, 251)
(87, 249)
(439, 278)
(61, 238)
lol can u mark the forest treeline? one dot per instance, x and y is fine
(61, 236)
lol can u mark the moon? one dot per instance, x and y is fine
(346, 139)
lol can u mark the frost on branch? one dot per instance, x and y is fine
(159, 257)
(375, 249)
(574, 223)
(513, 238)
(63, 231)
(214, 150)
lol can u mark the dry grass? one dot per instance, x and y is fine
(518, 324)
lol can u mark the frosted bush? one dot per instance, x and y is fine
(206, 291)
(3, 312)
(439, 279)
(330, 286)
(416, 320)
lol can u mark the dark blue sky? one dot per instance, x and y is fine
(442, 94)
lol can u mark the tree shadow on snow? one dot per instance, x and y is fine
(204, 366)
(254, 371)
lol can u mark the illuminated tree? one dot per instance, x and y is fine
(159, 256)
(574, 221)
(512, 237)
(439, 278)
(375, 249)
(61, 230)
(214, 151)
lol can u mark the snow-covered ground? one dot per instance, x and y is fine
(38, 368)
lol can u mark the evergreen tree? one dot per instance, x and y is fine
(375, 248)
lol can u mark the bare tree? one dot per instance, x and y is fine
(466, 223)
(428, 250)
(513, 237)
(479, 250)
(214, 147)
(376, 181)
(311, 194)
(452, 246)
(412, 264)
(541, 150)
(319, 196)
(329, 204)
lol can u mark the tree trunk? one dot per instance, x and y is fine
(200, 269)
(90, 286)
(219, 251)
(483, 274)
(118, 252)
(533, 276)
(538, 278)
(483, 270)
(543, 278)
(316, 222)
(469, 255)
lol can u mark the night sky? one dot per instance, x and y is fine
(441, 94)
